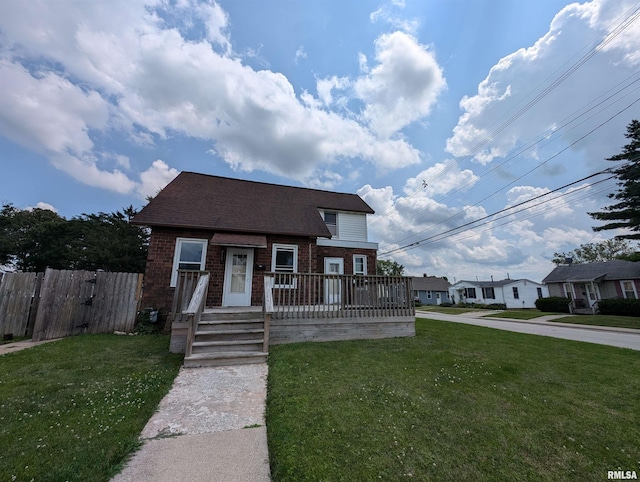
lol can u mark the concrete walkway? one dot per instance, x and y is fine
(22, 345)
(603, 335)
(209, 427)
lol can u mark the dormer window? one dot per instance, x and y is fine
(331, 220)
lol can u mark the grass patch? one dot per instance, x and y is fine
(602, 320)
(519, 314)
(448, 310)
(73, 409)
(457, 402)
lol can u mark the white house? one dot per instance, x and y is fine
(514, 293)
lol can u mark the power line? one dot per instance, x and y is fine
(416, 243)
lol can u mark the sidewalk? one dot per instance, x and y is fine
(21, 345)
(603, 335)
(209, 427)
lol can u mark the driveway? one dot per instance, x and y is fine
(620, 337)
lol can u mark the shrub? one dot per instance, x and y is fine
(620, 307)
(446, 304)
(553, 303)
(482, 306)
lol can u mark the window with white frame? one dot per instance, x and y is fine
(469, 292)
(190, 254)
(629, 290)
(567, 291)
(516, 295)
(359, 264)
(284, 259)
(539, 292)
(331, 220)
(488, 293)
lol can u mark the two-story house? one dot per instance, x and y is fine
(237, 230)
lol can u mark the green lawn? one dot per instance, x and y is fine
(519, 314)
(448, 310)
(73, 409)
(602, 320)
(456, 402)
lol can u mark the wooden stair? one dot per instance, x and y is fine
(228, 337)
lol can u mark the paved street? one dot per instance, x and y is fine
(620, 337)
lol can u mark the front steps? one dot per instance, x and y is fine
(228, 337)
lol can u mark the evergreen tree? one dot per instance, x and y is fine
(625, 214)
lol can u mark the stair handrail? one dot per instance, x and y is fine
(194, 310)
(267, 309)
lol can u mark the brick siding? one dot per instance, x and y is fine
(158, 294)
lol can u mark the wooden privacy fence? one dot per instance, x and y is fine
(70, 303)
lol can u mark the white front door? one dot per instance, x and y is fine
(333, 287)
(238, 274)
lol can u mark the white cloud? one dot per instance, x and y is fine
(136, 67)
(512, 107)
(156, 177)
(42, 205)
(300, 54)
(402, 87)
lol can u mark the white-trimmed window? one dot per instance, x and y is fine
(629, 290)
(428, 295)
(488, 293)
(284, 259)
(189, 254)
(359, 264)
(469, 292)
(567, 291)
(331, 220)
(516, 295)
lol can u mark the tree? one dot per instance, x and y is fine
(625, 214)
(594, 252)
(33, 240)
(386, 267)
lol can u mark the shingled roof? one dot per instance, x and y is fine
(605, 270)
(430, 283)
(202, 201)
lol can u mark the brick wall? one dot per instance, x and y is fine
(347, 255)
(158, 294)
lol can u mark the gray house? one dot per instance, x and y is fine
(587, 283)
(430, 290)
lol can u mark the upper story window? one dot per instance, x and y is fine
(331, 220)
(629, 290)
(359, 264)
(189, 254)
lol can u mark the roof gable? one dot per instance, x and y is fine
(430, 283)
(203, 201)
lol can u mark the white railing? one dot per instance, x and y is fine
(311, 295)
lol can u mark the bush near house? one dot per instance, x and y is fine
(620, 307)
(483, 306)
(557, 304)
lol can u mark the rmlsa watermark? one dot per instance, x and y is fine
(622, 475)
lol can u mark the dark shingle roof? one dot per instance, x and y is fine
(605, 270)
(202, 201)
(494, 284)
(430, 283)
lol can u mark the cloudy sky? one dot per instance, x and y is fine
(438, 113)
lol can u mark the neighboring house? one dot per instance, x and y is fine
(237, 230)
(514, 293)
(430, 290)
(590, 282)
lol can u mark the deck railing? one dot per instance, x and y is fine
(194, 310)
(311, 295)
(185, 286)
